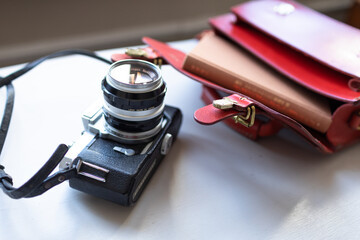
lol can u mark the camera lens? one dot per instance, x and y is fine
(133, 100)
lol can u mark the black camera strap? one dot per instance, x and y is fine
(41, 181)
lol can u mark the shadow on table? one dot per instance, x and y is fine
(270, 181)
(156, 192)
(266, 181)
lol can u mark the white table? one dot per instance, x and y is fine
(214, 184)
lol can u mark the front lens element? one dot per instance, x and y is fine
(134, 75)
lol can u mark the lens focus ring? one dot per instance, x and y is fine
(134, 101)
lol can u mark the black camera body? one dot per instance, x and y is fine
(126, 136)
(115, 176)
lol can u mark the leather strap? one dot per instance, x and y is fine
(4, 176)
(41, 181)
(52, 181)
(5, 122)
(36, 185)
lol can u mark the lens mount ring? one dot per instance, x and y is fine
(133, 115)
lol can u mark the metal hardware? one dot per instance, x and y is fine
(227, 103)
(158, 62)
(135, 52)
(89, 175)
(75, 149)
(125, 151)
(224, 103)
(354, 84)
(284, 9)
(141, 53)
(247, 120)
(146, 148)
(166, 144)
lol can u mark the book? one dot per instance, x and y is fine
(232, 67)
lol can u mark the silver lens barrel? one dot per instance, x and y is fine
(133, 92)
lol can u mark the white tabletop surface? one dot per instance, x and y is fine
(214, 184)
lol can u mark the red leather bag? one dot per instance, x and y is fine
(311, 49)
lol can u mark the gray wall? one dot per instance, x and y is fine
(33, 28)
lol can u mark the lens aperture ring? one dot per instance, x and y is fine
(132, 126)
(132, 137)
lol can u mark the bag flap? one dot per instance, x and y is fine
(327, 40)
(176, 59)
(297, 65)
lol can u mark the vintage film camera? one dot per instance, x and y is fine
(126, 136)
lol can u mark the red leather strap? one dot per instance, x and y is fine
(209, 114)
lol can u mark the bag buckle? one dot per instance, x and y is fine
(247, 118)
(146, 54)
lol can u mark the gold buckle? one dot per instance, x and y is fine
(227, 103)
(136, 52)
(158, 62)
(247, 120)
(141, 53)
